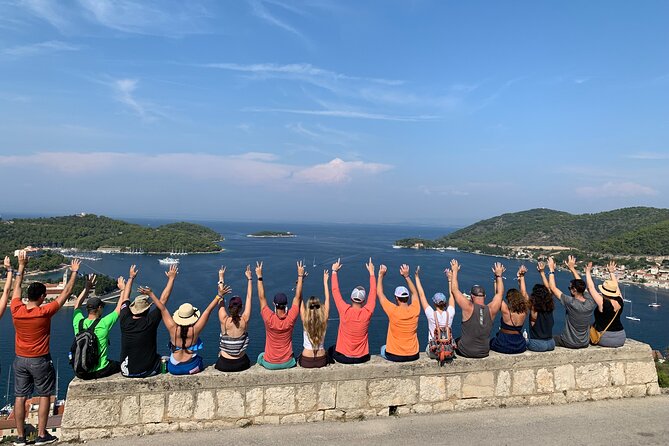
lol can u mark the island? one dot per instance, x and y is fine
(52, 239)
(271, 234)
(637, 238)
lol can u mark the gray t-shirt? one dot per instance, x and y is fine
(576, 333)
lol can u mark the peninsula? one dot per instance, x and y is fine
(271, 234)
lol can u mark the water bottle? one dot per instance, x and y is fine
(525, 334)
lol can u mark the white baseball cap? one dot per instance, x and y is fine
(358, 294)
(401, 291)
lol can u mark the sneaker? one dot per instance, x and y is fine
(20, 441)
(47, 439)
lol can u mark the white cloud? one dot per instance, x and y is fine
(345, 114)
(49, 11)
(323, 134)
(124, 90)
(260, 11)
(245, 168)
(650, 156)
(40, 47)
(613, 189)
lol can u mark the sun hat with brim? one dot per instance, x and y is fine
(609, 289)
(140, 305)
(186, 315)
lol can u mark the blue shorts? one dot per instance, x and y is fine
(509, 344)
(271, 366)
(192, 366)
(541, 345)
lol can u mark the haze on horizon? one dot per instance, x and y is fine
(435, 112)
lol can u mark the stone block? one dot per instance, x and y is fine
(523, 382)
(306, 398)
(474, 403)
(617, 371)
(267, 419)
(315, 416)
(478, 385)
(94, 434)
(254, 401)
(385, 412)
(635, 390)
(151, 407)
(126, 431)
(403, 410)
(576, 396)
(190, 426)
(606, 393)
(351, 395)
(443, 406)
(453, 387)
(219, 424)
(539, 400)
(503, 387)
(180, 405)
(545, 381)
(359, 414)
(129, 410)
(327, 394)
(334, 414)
(432, 388)
(294, 418)
(205, 407)
(640, 372)
(558, 398)
(591, 376)
(421, 408)
(69, 435)
(279, 400)
(515, 401)
(159, 428)
(230, 403)
(243, 422)
(564, 377)
(653, 389)
(92, 413)
(392, 392)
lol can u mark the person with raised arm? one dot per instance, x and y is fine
(477, 317)
(33, 367)
(279, 324)
(8, 285)
(352, 346)
(234, 338)
(610, 306)
(578, 305)
(315, 322)
(184, 328)
(402, 340)
(101, 327)
(541, 306)
(444, 313)
(509, 339)
(139, 328)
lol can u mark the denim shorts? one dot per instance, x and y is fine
(541, 345)
(34, 375)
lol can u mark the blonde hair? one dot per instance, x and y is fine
(315, 322)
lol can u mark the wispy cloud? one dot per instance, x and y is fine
(246, 168)
(49, 11)
(124, 90)
(48, 46)
(260, 11)
(613, 189)
(323, 134)
(650, 156)
(345, 114)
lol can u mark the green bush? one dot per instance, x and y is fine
(662, 373)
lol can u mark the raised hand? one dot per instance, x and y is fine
(300, 269)
(455, 266)
(224, 289)
(221, 274)
(336, 266)
(120, 283)
(521, 271)
(258, 269)
(90, 281)
(588, 268)
(248, 273)
(417, 272)
(611, 267)
(370, 267)
(7, 263)
(23, 258)
(133, 272)
(570, 262)
(551, 264)
(145, 290)
(74, 265)
(172, 272)
(404, 270)
(541, 266)
(383, 269)
(498, 269)
(449, 274)
(326, 276)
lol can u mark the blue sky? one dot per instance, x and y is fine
(437, 112)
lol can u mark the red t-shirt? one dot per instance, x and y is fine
(32, 327)
(352, 339)
(279, 334)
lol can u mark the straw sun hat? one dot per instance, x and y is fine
(186, 315)
(609, 289)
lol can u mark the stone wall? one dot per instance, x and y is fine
(119, 406)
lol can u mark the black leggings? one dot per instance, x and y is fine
(112, 368)
(232, 365)
(343, 359)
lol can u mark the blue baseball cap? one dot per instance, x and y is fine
(439, 298)
(281, 300)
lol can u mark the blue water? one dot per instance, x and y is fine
(197, 281)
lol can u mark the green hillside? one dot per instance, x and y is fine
(633, 231)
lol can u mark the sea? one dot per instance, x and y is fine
(319, 245)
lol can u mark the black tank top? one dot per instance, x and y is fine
(543, 326)
(603, 318)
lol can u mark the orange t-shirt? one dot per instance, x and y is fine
(352, 338)
(33, 328)
(279, 334)
(402, 339)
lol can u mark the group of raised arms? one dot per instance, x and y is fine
(141, 317)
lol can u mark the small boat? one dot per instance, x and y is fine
(169, 261)
(631, 317)
(624, 299)
(654, 304)
(314, 263)
(397, 247)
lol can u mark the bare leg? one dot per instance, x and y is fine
(43, 415)
(20, 415)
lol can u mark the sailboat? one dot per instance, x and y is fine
(314, 263)
(623, 295)
(654, 304)
(631, 316)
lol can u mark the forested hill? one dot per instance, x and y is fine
(633, 231)
(637, 231)
(90, 232)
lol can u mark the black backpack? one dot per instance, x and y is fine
(85, 353)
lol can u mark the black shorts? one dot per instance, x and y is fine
(34, 375)
(335, 356)
(112, 368)
(232, 365)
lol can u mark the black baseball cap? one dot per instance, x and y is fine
(281, 300)
(477, 291)
(93, 303)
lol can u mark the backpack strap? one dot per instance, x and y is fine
(93, 325)
(81, 325)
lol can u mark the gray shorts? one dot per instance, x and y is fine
(34, 374)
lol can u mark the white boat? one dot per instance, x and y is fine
(654, 304)
(397, 247)
(169, 261)
(624, 299)
(631, 317)
(314, 263)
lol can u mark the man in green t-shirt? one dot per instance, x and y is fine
(95, 309)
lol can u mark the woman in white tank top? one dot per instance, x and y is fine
(445, 308)
(314, 321)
